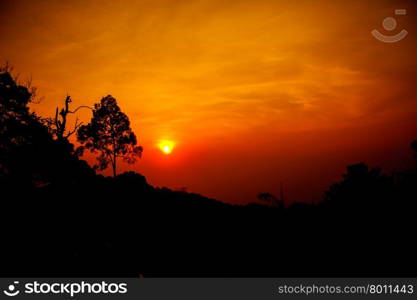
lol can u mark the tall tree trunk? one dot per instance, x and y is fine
(114, 166)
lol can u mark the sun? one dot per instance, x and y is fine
(166, 146)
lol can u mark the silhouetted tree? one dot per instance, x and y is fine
(17, 125)
(58, 125)
(367, 187)
(109, 133)
(29, 156)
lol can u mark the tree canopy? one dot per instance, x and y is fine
(109, 134)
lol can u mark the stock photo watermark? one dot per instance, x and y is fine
(390, 24)
(70, 289)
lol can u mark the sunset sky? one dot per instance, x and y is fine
(247, 94)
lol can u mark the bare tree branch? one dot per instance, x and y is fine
(76, 126)
(79, 107)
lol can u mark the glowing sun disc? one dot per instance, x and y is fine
(166, 146)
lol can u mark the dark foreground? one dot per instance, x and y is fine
(124, 227)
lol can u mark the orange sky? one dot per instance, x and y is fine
(253, 93)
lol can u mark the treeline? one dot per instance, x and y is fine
(59, 217)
